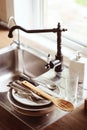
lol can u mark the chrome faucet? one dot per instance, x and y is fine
(57, 62)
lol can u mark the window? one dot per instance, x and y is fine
(47, 13)
(72, 15)
(23, 12)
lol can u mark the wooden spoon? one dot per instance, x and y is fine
(60, 103)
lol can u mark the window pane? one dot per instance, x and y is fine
(71, 14)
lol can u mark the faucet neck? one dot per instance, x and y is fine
(59, 31)
(59, 55)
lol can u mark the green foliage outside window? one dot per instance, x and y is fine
(82, 2)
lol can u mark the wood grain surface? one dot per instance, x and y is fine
(76, 120)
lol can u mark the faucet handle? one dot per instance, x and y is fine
(52, 63)
(47, 66)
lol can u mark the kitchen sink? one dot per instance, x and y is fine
(15, 60)
(16, 63)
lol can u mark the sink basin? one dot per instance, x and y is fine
(21, 63)
(16, 60)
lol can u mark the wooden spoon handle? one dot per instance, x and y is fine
(37, 90)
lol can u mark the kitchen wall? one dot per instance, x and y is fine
(6, 10)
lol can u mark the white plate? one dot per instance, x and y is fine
(29, 110)
(27, 101)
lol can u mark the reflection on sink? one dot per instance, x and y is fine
(16, 60)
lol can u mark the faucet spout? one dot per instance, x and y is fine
(10, 35)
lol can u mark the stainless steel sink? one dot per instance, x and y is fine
(15, 60)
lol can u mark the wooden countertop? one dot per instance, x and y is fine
(10, 122)
(73, 121)
(76, 120)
